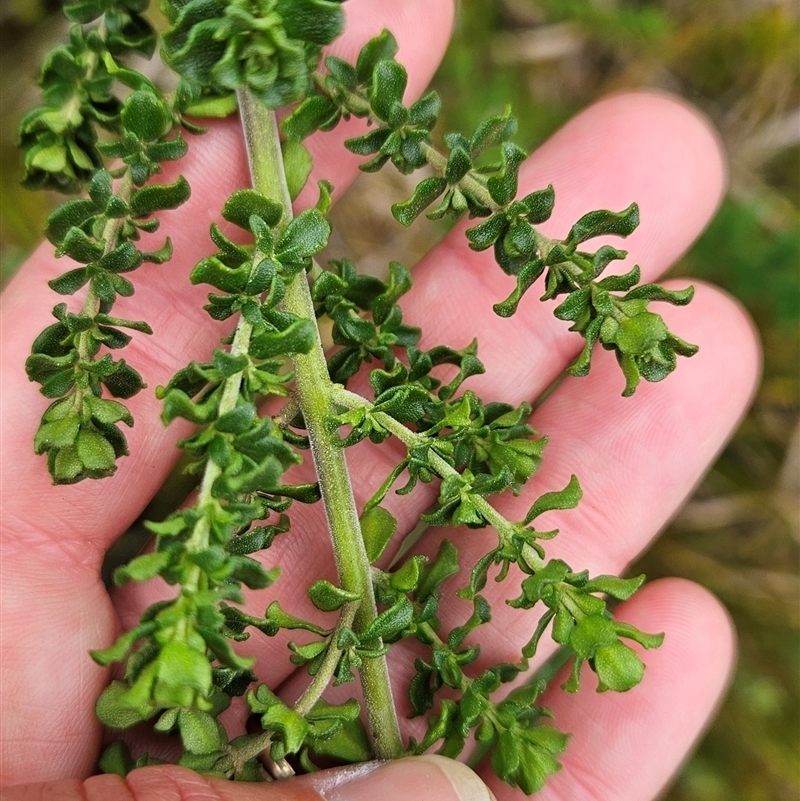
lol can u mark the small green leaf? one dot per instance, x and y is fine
(382, 47)
(124, 382)
(618, 588)
(601, 223)
(377, 529)
(568, 498)
(485, 234)
(306, 235)
(56, 434)
(389, 79)
(245, 203)
(119, 650)
(425, 111)
(327, 597)
(290, 727)
(112, 711)
(200, 732)
(72, 213)
(78, 246)
(142, 568)
(407, 577)
(297, 165)
(146, 116)
(95, 452)
(493, 131)
(67, 467)
(299, 337)
(440, 569)
(632, 633)
(618, 667)
(116, 760)
(157, 197)
(348, 744)
(506, 755)
(426, 192)
(251, 573)
(216, 273)
(503, 186)
(314, 113)
(181, 672)
(238, 420)
(122, 259)
(590, 633)
(210, 106)
(390, 622)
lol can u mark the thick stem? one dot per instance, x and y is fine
(313, 390)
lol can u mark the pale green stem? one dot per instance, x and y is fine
(469, 183)
(327, 669)
(313, 390)
(91, 303)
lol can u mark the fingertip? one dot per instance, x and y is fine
(657, 151)
(695, 622)
(693, 140)
(367, 18)
(725, 371)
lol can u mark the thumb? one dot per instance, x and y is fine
(425, 778)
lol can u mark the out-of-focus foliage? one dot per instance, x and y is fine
(739, 62)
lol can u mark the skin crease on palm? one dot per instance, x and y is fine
(637, 458)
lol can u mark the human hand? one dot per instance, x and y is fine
(55, 608)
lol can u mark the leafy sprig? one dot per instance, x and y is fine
(80, 431)
(184, 660)
(466, 183)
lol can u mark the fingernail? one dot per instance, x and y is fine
(424, 778)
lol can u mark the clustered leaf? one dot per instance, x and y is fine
(180, 662)
(71, 359)
(373, 88)
(268, 46)
(59, 138)
(466, 182)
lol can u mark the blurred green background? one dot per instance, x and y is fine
(738, 61)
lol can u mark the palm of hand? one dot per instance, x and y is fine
(637, 459)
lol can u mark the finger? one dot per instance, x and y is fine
(429, 778)
(215, 167)
(627, 746)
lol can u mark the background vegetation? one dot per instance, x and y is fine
(739, 61)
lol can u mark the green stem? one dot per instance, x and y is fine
(326, 670)
(469, 183)
(91, 303)
(313, 390)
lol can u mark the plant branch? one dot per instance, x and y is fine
(410, 439)
(326, 670)
(313, 389)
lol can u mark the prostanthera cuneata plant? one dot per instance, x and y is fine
(107, 129)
